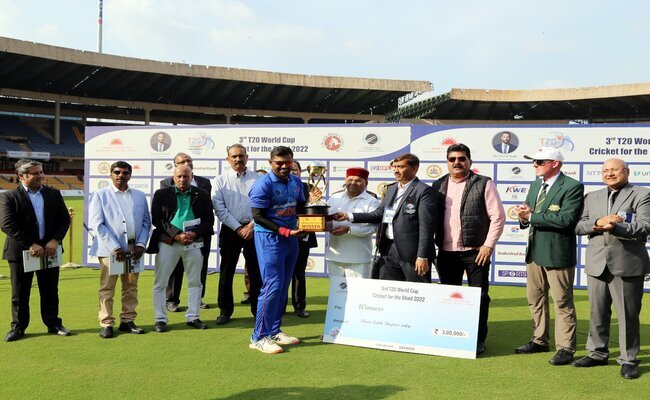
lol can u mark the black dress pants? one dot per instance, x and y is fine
(21, 287)
(394, 269)
(298, 282)
(230, 247)
(451, 266)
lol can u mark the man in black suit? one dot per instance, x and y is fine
(34, 217)
(173, 210)
(176, 279)
(409, 216)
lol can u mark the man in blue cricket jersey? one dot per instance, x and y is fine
(274, 200)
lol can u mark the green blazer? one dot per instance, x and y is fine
(552, 240)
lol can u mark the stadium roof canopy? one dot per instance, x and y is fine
(37, 78)
(615, 103)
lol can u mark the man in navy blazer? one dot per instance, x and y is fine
(176, 279)
(119, 216)
(34, 217)
(409, 218)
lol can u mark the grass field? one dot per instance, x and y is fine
(217, 364)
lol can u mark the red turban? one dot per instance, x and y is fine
(360, 172)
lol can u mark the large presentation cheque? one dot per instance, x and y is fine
(403, 316)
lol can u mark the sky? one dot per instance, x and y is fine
(497, 44)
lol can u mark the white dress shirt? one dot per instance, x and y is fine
(125, 200)
(230, 197)
(356, 245)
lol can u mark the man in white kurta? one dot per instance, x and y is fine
(349, 251)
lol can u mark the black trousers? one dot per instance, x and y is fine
(21, 287)
(176, 280)
(298, 282)
(394, 269)
(230, 247)
(451, 266)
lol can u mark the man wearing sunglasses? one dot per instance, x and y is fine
(119, 216)
(275, 199)
(473, 222)
(551, 212)
(34, 217)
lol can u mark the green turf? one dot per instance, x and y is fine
(217, 364)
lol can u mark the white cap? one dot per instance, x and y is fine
(546, 153)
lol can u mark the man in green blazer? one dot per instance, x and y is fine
(553, 208)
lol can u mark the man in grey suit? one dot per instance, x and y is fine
(409, 215)
(617, 221)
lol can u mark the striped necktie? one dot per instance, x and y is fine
(541, 198)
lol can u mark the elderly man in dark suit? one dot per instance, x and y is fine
(183, 218)
(409, 218)
(551, 213)
(34, 217)
(617, 221)
(176, 279)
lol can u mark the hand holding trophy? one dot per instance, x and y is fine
(313, 220)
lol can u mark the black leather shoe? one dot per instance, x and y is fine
(629, 371)
(205, 306)
(246, 300)
(14, 334)
(302, 314)
(222, 319)
(586, 362)
(130, 327)
(160, 326)
(562, 357)
(106, 332)
(59, 330)
(197, 324)
(531, 347)
(480, 348)
(173, 307)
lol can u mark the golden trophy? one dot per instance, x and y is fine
(313, 220)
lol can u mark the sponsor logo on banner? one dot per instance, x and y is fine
(511, 212)
(476, 170)
(102, 184)
(104, 168)
(197, 144)
(640, 173)
(434, 171)
(371, 138)
(310, 264)
(514, 192)
(333, 142)
(510, 273)
(169, 166)
(512, 233)
(446, 142)
(558, 140)
(116, 142)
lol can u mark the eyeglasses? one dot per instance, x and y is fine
(460, 159)
(125, 173)
(541, 162)
(283, 163)
(611, 171)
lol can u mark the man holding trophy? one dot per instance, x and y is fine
(274, 200)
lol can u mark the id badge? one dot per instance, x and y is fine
(627, 217)
(389, 214)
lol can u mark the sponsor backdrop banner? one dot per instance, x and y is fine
(150, 150)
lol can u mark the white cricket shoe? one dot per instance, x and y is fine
(283, 338)
(265, 345)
